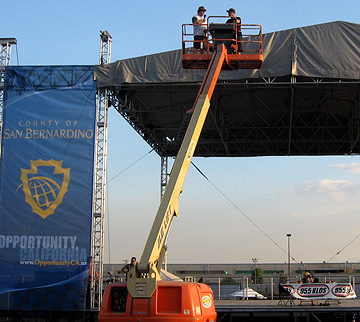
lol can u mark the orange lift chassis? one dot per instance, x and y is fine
(145, 297)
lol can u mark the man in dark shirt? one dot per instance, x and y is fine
(126, 269)
(237, 21)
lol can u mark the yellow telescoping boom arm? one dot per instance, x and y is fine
(141, 280)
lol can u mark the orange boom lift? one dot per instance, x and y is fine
(145, 298)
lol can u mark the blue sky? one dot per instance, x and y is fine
(316, 199)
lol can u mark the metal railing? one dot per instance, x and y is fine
(250, 40)
(266, 286)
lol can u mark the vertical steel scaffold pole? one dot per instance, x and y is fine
(164, 175)
(5, 54)
(102, 104)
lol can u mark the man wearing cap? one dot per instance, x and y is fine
(235, 20)
(200, 29)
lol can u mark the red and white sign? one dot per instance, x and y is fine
(320, 291)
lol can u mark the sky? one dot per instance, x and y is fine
(247, 206)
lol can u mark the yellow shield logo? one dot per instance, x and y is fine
(45, 185)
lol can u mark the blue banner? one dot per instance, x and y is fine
(46, 181)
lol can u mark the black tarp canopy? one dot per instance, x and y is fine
(330, 50)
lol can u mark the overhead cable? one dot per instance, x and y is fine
(343, 248)
(246, 216)
(54, 218)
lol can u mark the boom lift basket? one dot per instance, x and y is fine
(250, 57)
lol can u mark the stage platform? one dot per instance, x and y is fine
(228, 311)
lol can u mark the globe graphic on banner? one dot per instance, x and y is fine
(43, 191)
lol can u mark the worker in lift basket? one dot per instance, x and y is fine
(200, 29)
(234, 19)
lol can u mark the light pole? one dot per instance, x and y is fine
(288, 236)
(255, 261)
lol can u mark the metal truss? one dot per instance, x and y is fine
(288, 115)
(123, 104)
(301, 117)
(164, 175)
(100, 180)
(5, 54)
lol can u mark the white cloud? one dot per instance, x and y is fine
(301, 214)
(335, 189)
(350, 167)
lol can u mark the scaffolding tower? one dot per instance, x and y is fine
(5, 53)
(100, 180)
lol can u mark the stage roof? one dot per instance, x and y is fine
(303, 101)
